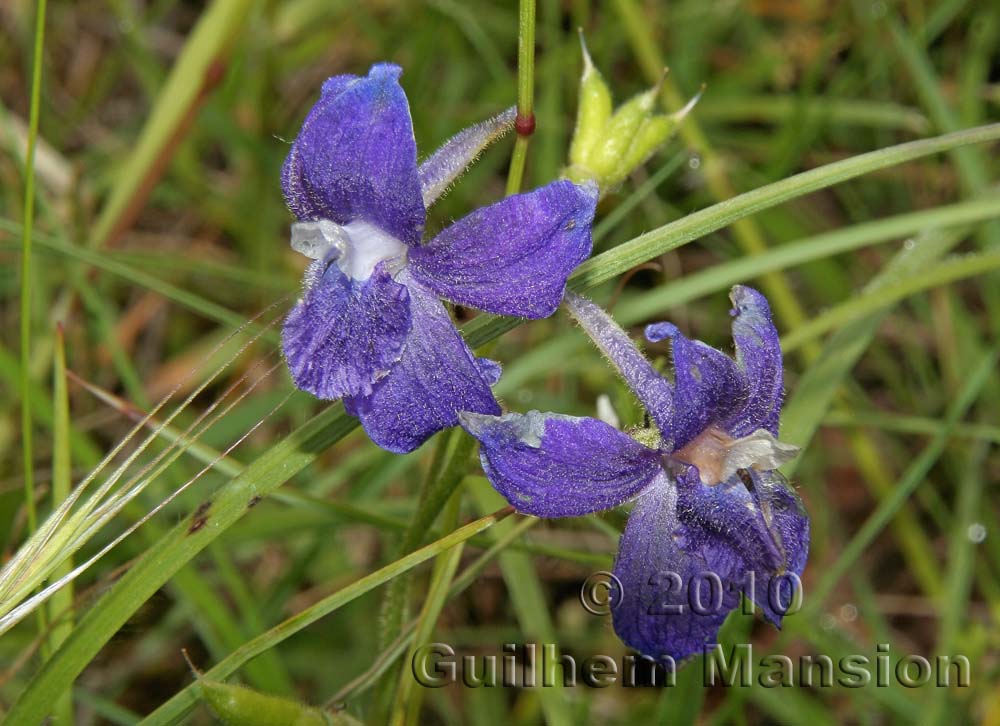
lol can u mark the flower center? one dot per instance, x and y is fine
(718, 455)
(357, 246)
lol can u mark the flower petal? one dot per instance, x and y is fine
(512, 257)
(758, 355)
(343, 335)
(784, 518)
(456, 154)
(690, 549)
(659, 565)
(436, 377)
(652, 389)
(356, 159)
(757, 518)
(550, 465)
(707, 384)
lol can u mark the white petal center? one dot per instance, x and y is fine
(359, 246)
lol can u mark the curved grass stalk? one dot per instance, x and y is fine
(107, 511)
(188, 436)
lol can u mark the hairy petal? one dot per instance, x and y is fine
(783, 517)
(689, 550)
(436, 377)
(343, 335)
(355, 157)
(707, 384)
(658, 566)
(757, 517)
(459, 152)
(652, 389)
(758, 356)
(550, 465)
(512, 257)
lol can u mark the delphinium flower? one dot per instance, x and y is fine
(712, 517)
(370, 327)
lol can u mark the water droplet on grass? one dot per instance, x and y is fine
(977, 532)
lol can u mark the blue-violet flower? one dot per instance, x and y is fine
(370, 327)
(712, 518)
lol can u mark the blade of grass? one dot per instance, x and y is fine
(532, 613)
(303, 445)
(698, 224)
(815, 391)
(945, 272)
(406, 708)
(395, 603)
(958, 580)
(911, 479)
(192, 301)
(837, 112)
(387, 657)
(909, 424)
(721, 276)
(27, 426)
(746, 231)
(61, 604)
(187, 698)
(622, 210)
(197, 69)
(433, 498)
(971, 167)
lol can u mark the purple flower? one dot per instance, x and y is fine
(712, 517)
(370, 327)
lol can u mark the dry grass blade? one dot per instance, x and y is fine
(69, 526)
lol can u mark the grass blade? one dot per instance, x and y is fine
(26, 271)
(61, 605)
(915, 474)
(181, 703)
(196, 70)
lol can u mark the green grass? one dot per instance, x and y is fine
(843, 159)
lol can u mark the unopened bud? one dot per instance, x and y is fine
(593, 111)
(608, 145)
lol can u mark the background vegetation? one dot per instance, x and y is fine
(159, 228)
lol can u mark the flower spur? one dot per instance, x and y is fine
(370, 327)
(710, 509)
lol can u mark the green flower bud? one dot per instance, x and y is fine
(608, 146)
(239, 705)
(593, 111)
(609, 154)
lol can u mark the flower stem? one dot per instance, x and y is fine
(29, 215)
(525, 123)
